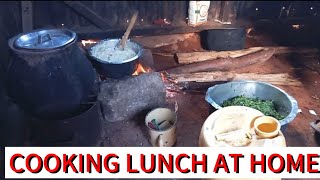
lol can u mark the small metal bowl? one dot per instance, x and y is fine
(117, 70)
(285, 104)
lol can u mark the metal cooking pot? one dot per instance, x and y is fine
(285, 104)
(226, 39)
(122, 69)
(83, 129)
(48, 74)
(12, 119)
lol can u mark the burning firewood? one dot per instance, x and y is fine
(276, 79)
(224, 64)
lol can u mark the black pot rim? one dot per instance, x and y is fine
(76, 116)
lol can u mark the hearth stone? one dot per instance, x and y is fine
(126, 98)
(146, 59)
(82, 130)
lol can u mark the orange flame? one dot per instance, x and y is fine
(295, 26)
(249, 30)
(140, 70)
(163, 77)
(86, 42)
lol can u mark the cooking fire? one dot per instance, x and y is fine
(88, 42)
(141, 69)
(295, 26)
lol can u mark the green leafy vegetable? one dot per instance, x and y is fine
(265, 106)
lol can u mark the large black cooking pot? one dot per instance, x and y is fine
(83, 129)
(226, 39)
(48, 74)
(12, 120)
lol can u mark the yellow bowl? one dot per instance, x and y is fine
(267, 127)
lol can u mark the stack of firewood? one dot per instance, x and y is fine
(214, 66)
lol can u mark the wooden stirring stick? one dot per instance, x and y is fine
(126, 34)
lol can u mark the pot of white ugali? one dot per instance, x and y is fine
(113, 62)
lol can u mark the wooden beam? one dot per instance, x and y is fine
(146, 30)
(27, 16)
(228, 13)
(87, 13)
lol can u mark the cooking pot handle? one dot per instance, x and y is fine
(44, 38)
(159, 141)
(315, 126)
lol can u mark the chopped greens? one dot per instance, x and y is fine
(265, 106)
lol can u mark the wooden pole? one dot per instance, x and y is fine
(27, 16)
(88, 14)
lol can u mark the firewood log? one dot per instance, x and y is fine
(276, 79)
(224, 64)
(191, 57)
(286, 50)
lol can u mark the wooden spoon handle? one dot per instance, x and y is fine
(126, 34)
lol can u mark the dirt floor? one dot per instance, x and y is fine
(193, 109)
